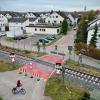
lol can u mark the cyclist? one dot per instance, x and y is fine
(19, 85)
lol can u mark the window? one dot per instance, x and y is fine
(48, 21)
(57, 30)
(35, 29)
(56, 16)
(40, 29)
(21, 28)
(60, 22)
(55, 21)
(44, 30)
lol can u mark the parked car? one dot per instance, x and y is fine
(49, 38)
(43, 40)
(20, 37)
(53, 36)
(2, 34)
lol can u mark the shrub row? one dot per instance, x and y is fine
(89, 51)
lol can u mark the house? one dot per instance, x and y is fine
(3, 22)
(33, 21)
(55, 17)
(31, 15)
(17, 26)
(91, 31)
(43, 29)
(73, 18)
(9, 14)
(45, 15)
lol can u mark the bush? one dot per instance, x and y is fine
(86, 96)
(90, 51)
(1, 98)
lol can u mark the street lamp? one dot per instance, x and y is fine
(69, 49)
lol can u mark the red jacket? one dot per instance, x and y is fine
(19, 84)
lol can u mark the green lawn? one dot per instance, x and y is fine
(57, 91)
(5, 66)
(40, 35)
(84, 68)
(10, 40)
(1, 98)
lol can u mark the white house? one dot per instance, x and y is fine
(55, 18)
(91, 31)
(31, 15)
(17, 26)
(8, 16)
(3, 22)
(43, 29)
(73, 18)
(44, 15)
(33, 21)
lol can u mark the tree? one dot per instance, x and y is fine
(82, 33)
(91, 15)
(93, 40)
(64, 27)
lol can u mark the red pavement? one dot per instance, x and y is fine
(34, 70)
(53, 59)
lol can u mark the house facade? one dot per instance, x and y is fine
(91, 30)
(31, 15)
(3, 22)
(17, 26)
(54, 18)
(43, 29)
(73, 18)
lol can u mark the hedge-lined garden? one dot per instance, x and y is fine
(89, 51)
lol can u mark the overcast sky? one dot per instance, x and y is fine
(47, 5)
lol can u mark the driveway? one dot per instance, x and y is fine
(34, 89)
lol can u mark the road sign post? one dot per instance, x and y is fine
(12, 57)
(70, 49)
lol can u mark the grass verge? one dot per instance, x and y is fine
(84, 68)
(22, 52)
(11, 40)
(57, 91)
(1, 98)
(5, 66)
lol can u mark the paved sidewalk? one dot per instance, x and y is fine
(34, 89)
